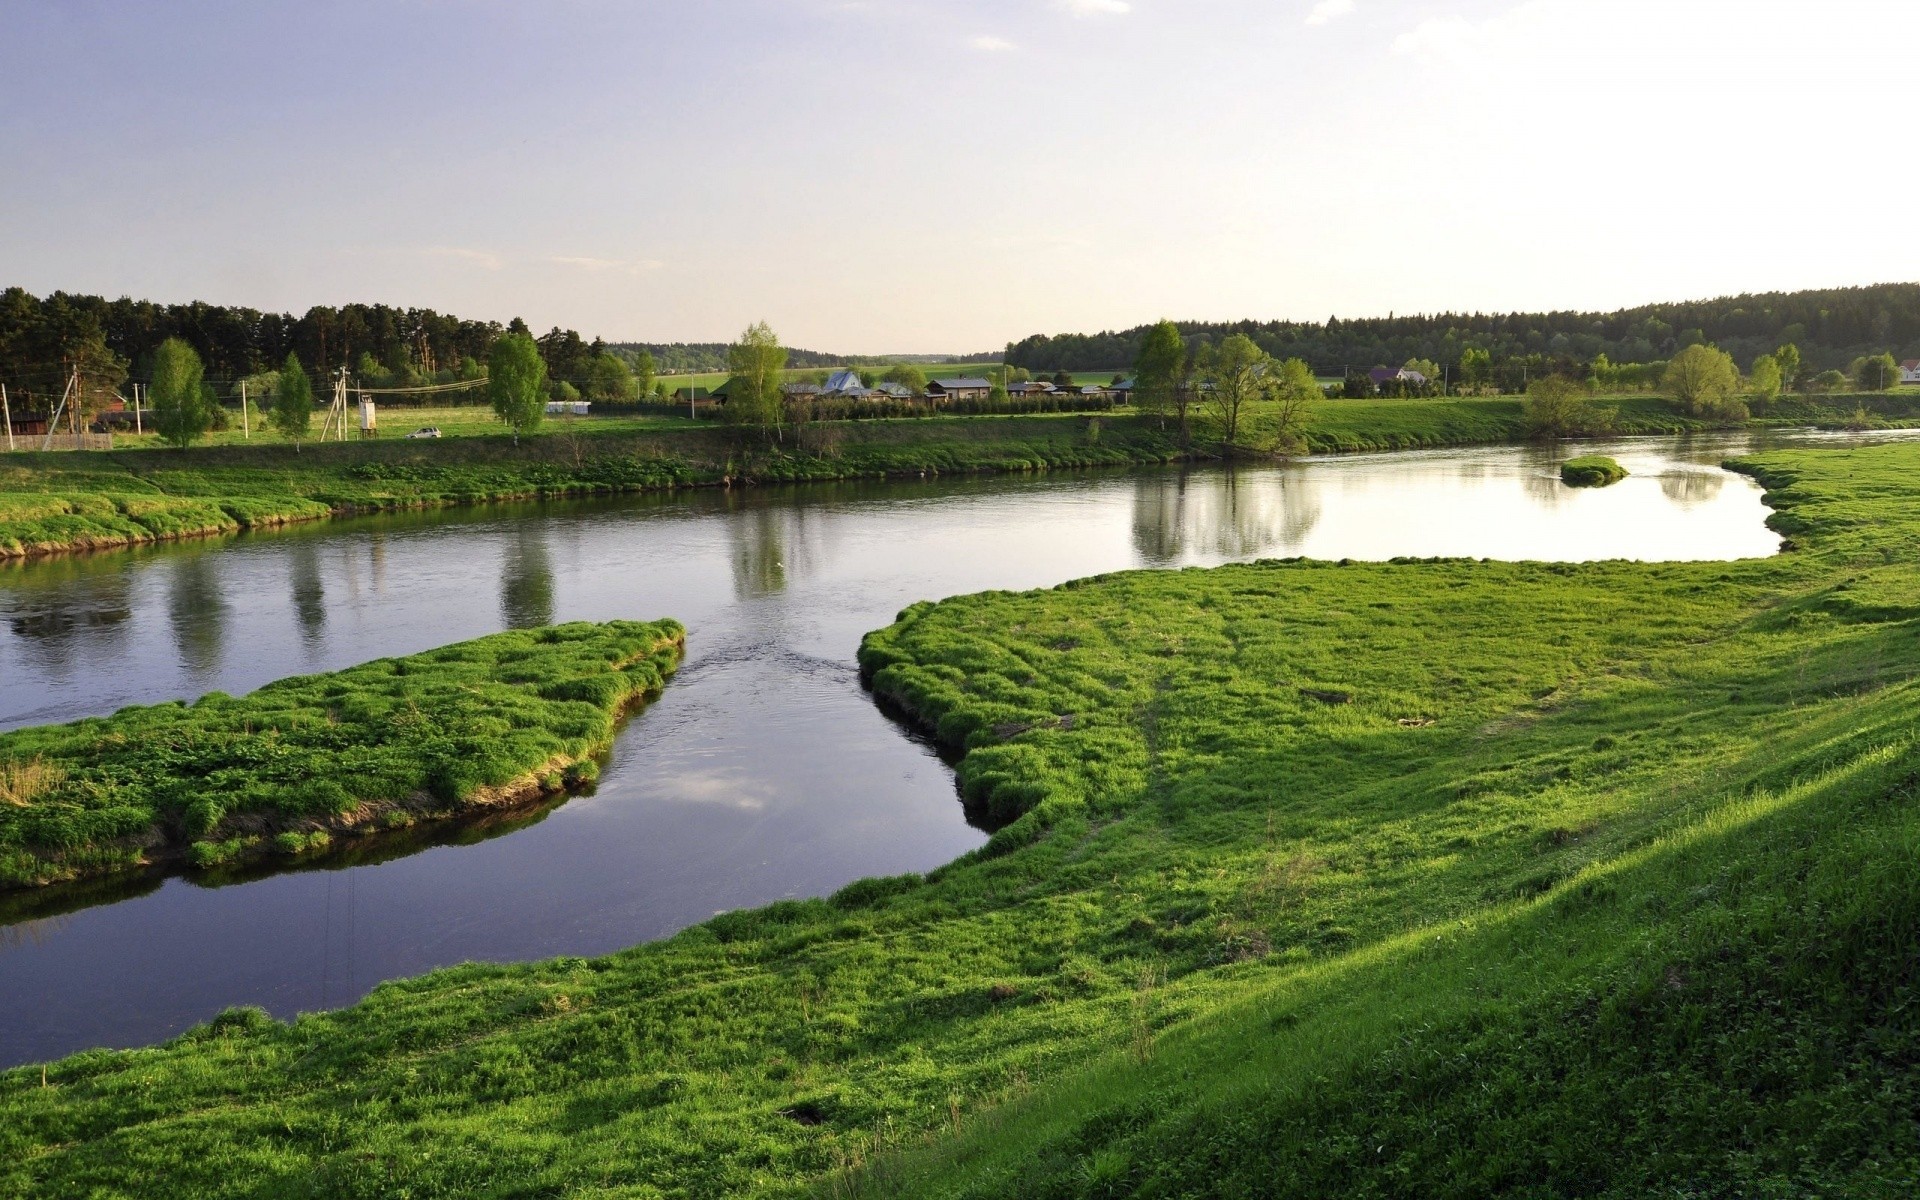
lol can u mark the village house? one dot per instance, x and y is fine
(845, 385)
(1910, 371)
(964, 388)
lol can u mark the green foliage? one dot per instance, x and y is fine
(1787, 358)
(1557, 406)
(1763, 381)
(611, 381)
(643, 373)
(908, 376)
(1234, 375)
(1876, 372)
(1706, 383)
(1414, 878)
(1829, 381)
(280, 769)
(516, 383)
(182, 410)
(1160, 374)
(1476, 367)
(1591, 470)
(292, 411)
(754, 399)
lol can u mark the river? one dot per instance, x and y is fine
(763, 772)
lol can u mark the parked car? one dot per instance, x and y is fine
(426, 431)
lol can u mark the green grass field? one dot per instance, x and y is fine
(289, 768)
(1436, 878)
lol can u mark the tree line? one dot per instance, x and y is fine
(1831, 326)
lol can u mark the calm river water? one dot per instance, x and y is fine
(763, 772)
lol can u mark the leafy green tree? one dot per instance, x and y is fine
(1706, 383)
(611, 381)
(1877, 373)
(182, 411)
(758, 362)
(1476, 367)
(1829, 381)
(907, 376)
(644, 371)
(1763, 381)
(517, 382)
(1428, 369)
(1559, 406)
(1160, 375)
(292, 412)
(1236, 373)
(1293, 390)
(565, 393)
(1787, 358)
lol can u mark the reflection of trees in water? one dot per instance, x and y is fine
(1546, 490)
(197, 612)
(1688, 488)
(1229, 514)
(759, 559)
(309, 593)
(55, 606)
(526, 580)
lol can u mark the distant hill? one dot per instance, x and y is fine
(1831, 326)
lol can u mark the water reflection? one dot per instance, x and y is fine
(526, 579)
(1223, 514)
(197, 611)
(759, 557)
(1690, 488)
(78, 604)
(309, 592)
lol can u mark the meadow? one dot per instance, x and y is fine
(303, 762)
(1414, 878)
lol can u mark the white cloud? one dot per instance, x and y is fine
(1095, 8)
(1328, 11)
(993, 45)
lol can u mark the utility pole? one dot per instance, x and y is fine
(137, 427)
(53, 422)
(6, 414)
(245, 431)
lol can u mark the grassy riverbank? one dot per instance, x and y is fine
(301, 762)
(1418, 878)
(1591, 470)
(57, 502)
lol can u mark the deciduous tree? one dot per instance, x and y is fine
(182, 410)
(1160, 375)
(1763, 381)
(517, 383)
(758, 362)
(1559, 406)
(1236, 374)
(611, 381)
(292, 412)
(1293, 390)
(1877, 373)
(1788, 358)
(1706, 383)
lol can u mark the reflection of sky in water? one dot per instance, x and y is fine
(764, 771)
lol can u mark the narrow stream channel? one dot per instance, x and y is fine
(764, 772)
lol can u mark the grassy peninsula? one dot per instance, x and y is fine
(1591, 470)
(291, 767)
(1425, 877)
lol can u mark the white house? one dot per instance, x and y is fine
(1910, 371)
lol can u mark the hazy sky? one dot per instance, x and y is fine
(943, 175)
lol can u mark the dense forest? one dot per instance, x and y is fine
(1831, 327)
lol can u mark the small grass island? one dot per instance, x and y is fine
(1591, 470)
(286, 770)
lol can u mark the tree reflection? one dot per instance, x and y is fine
(1688, 488)
(197, 612)
(759, 551)
(309, 593)
(526, 585)
(1223, 514)
(56, 608)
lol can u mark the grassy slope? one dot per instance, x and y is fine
(1290, 824)
(284, 768)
